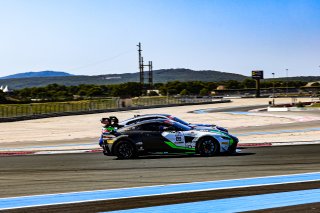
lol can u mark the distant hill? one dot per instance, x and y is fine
(159, 76)
(165, 75)
(37, 74)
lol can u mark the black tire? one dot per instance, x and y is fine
(124, 150)
(208, 147)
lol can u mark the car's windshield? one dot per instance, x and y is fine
(139, 119)
(181, 126)
(178, 120)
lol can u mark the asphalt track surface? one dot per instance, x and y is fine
(46, 174)
(276, 127)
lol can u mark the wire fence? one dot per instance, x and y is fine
(51, 108)
(18, 110)
(167, 100)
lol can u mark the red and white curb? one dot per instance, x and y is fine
(53, 152)
(254, 144)
(278, 144)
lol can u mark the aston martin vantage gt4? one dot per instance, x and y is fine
(166, 136)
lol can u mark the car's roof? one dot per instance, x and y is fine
(143, 116)
(156, 120)
(160, 120)
(150, 115)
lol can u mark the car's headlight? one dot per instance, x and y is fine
(225, 138)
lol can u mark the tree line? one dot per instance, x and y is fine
(56, 92)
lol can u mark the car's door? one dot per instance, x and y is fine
(152, 139)
(164, 137)
(134, 134)
(175, 139)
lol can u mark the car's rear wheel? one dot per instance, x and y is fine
(125, 150)
(208, 147)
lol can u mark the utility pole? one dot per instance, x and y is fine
(150, 75)
(140, 65)
(273, 89)
(287, 82)
(141, 70)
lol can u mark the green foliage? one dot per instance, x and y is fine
(55, 92)
(204, 92)
(153, 93)
(280, 83)
(186, 88)
(184, 92)
(95, 91)
(126, 90)
(249, 83)
(2, 97)
(233, 84)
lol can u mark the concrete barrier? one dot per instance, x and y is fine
(277, 109)
(292, 109)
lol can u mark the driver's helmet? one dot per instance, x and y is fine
(114, 120)
(105, 120)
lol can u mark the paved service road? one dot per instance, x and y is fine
(44, 174)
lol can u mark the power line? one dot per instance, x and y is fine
(102, 61)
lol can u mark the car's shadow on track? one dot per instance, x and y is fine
(168, 156)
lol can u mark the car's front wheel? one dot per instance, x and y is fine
(208, 147)
(124, 150)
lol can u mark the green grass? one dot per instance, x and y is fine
(315, 105)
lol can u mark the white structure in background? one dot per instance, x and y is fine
(4, 88)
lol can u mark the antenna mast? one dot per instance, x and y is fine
(141, 70)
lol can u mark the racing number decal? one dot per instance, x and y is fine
(179, 138)
(176, 138)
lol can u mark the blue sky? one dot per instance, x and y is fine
(92, 37)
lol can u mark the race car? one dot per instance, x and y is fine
(139, 118)
(166, 136)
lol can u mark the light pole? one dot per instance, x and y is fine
(287, 82)
(273, 89)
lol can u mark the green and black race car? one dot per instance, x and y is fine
(166, 136)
